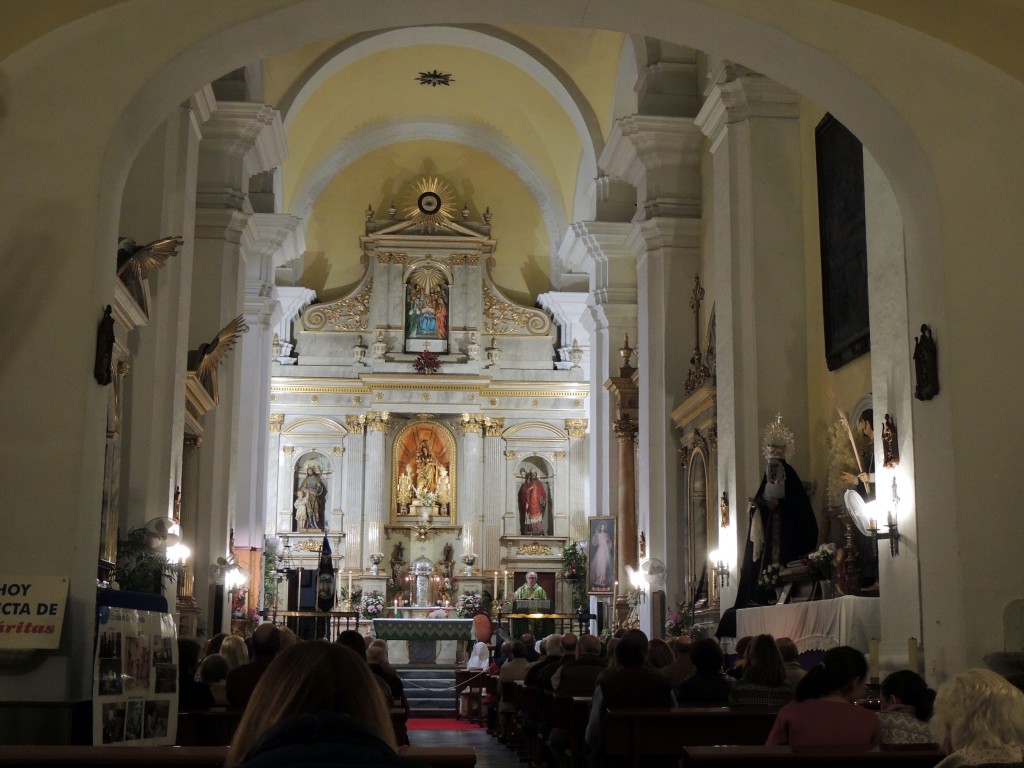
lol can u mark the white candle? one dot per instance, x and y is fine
(494, 594)
(350, 585)
(506, 584)
(912, 654)
(615, 594)
(873, 659)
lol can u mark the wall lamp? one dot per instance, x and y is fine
(863, 514)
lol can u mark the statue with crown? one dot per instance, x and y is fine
(783, 529)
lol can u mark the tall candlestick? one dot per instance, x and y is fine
(912, 654)
(506, 584)
(350, 586)
(615, 594)
(494, 593)
(873, 660)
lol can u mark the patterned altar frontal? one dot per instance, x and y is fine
(423, 629)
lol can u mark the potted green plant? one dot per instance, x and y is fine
(140, 568)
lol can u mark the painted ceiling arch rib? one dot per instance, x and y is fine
(354, 146)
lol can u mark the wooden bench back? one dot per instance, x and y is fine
(915, 756)
(641, 732)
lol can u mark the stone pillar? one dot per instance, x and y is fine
(753, 126)
(488, 546)
(377, 484)
(625, 392)
(239, 140)
(353, 463)
(189, 514)
(155, 407)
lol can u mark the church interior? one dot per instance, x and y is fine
(463, 292)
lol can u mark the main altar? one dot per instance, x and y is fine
(429, 426)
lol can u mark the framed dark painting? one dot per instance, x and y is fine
(844, 257)
(601, 556)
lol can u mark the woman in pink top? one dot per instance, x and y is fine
(824, 714)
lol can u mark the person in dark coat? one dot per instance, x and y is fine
(241, 681)
(707, 684)
(316, 705)
(191, 694)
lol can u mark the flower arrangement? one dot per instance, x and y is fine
(372, 605)
(770, 576)
(677, 623)
(425, 498)
(467, 604)
(426, 362)
(821, 560)
(468, 558)
(449, 586)
(377, 558)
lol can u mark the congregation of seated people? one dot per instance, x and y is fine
(317, 703)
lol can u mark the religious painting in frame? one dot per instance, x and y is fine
(843, 234)
(601, 556)
(426, 310)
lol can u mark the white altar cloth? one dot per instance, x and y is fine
(817, 625)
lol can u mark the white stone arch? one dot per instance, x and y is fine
(535, 431)
(351, 148)
(306, 426)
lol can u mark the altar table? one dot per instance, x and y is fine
(816, 625)
(423, 629)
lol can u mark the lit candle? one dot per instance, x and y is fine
(873, 660)
(912, 654)
(349, 585)
(494, 594)
(615, 593)
(506, 584)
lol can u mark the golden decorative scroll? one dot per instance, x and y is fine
(503, 318)
(307, 545)
(351, 313)
(356, 424)
(493, 427)
(534, 549)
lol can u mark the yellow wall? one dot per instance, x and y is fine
(332, 262)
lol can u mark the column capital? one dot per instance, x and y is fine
(378, 421)
(471, 424)
(626, 430)
(276, 422)
(577, 428)
(493, 426)
(737, 94)
(356, 425)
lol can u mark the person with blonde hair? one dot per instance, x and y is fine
(317, 704)
(979, 720)
(234, 651)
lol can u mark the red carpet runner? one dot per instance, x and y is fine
(440, 724)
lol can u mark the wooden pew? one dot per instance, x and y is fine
(212, 727)
(632, 735)
(77, 756)
(910, 756)
(183, 757)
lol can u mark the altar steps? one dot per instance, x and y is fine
(430, 690)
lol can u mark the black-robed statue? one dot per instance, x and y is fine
(782, 525)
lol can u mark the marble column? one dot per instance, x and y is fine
(377, 484)
(491, 511)
(470, 480)
(353, 464)
(577, 429)
(758, 278)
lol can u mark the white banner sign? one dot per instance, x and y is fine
(32, 611)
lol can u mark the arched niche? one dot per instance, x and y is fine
(535, 495)
(426, 453)
(312, 472)
(427, 305)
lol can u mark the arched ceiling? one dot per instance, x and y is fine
(535, 103)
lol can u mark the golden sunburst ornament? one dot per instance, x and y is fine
(430, 202)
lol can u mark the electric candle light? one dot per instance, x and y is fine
(494, 594)
(506, 582)
(349, 584)
(873, 660)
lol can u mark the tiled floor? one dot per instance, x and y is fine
(489, 753)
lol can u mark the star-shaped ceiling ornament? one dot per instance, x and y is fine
(435, 78)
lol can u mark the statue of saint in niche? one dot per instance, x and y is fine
(315, 498)
(533, 504)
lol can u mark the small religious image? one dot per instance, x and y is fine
(157, 715)
(113, 722)
(162, 650)
(166, 678)
(534, 498)
(601, 556)
(137, 663)
(134, 715)
(312, 472)
(110, 645)
(110, 677)
(423, 471)
(426, 311)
